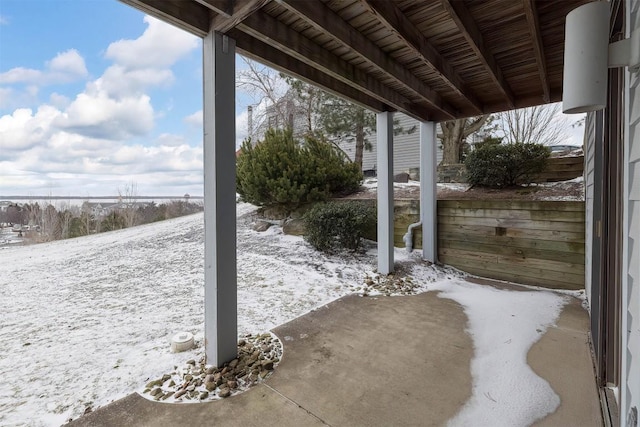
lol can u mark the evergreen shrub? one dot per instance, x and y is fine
(279, 171)
(506, 165)
(338, 225)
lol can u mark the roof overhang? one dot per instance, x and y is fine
(434, 60)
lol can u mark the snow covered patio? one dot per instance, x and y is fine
(407, 360)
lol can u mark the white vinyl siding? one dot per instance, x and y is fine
(406, 146)
(589, 156)
(631, 295)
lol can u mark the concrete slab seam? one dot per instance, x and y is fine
(297, 404)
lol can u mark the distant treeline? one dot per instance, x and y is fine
(46, 223)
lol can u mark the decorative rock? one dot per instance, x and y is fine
(261, 226)
(232, 384)
(191, 362)
(267, 364)
(156, 391)
(401, 177)
(153, 383)
(179, 393)
(204, 395)
(210, 386)
(224, 392)
(233, 363)
(294, 227)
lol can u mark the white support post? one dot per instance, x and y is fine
(220, 279)
(428, 191)
(384, 130)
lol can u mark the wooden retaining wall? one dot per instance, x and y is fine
(531, 242)
(562, 169)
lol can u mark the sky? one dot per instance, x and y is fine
(96, 97)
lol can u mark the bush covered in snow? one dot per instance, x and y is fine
(505, 165)
(338, 225)
(281, 171)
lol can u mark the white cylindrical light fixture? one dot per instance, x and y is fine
(586, 50)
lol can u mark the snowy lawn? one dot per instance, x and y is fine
(88, 320)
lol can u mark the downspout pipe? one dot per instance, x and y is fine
(408, 237)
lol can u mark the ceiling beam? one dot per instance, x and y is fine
(240, 10)
(187, 15)
(221, 7)
(397, 21)
(288, 41)
(273, 57)
(538, 50)
(322, 18)
(469, 29)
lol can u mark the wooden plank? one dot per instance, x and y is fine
(570, 257)
(515, 262)
(189, 16)
(398, 22)
(551, 235)
(268, 55)
(533, 22)
(577, 160)
(291, 43)
(575, 277)
(515, 278)
(329, 22)
(512, 204)
(523, 214)
(514, 242)
(240, 10)
(512, 223)
(469, 29)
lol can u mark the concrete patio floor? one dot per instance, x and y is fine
(379, 361)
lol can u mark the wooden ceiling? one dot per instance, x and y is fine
(432, 59)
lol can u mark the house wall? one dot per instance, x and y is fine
(631, 278)
(406, 147)
(589, 166)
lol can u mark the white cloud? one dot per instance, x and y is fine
(160, 46)
(242, 130)
(95, 114)
(119, 81)
(23, 129)
(171, 140)
(59, 101)
(65, 67)
(194, 119)
(86, 143)
(69, 62)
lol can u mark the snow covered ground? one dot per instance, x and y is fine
(87, 321)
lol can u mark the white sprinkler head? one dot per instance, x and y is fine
(181, 341)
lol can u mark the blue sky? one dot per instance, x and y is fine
(94, 96)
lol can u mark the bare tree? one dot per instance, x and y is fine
(128, 198)
(454, 136)
(543, 124)
(267, 89)
(50, 225)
